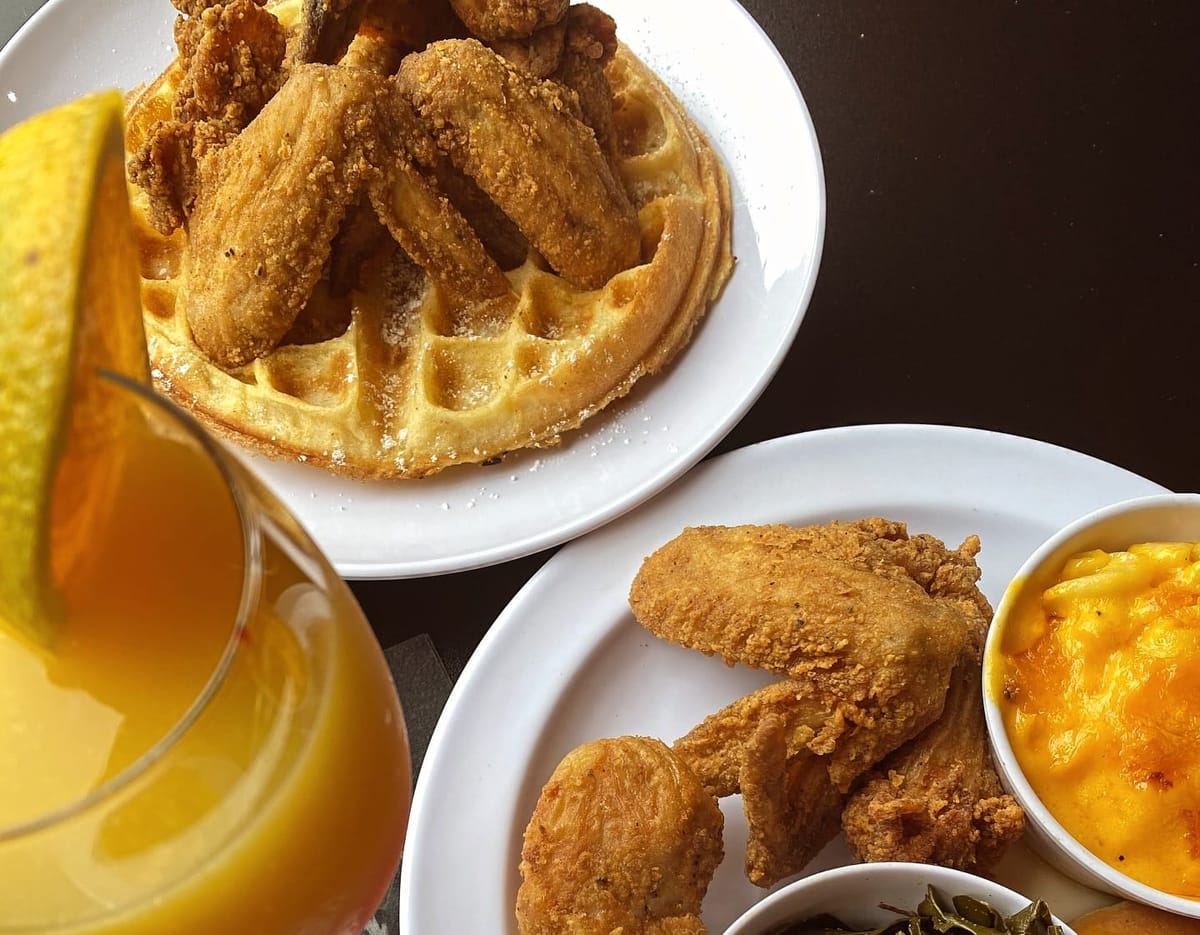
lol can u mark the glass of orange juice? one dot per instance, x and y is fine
(214, 742)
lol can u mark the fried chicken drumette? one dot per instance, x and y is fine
(623, 839)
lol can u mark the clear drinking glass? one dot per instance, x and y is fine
(214, 743)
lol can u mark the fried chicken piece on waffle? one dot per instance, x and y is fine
(519, 140)
(233, 60)
(508, 19)
(591, 41)
(269, 206)
(623, 839)
(272, 200)
(425, 222)
(390, 29)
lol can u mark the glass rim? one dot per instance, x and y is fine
(251, 532)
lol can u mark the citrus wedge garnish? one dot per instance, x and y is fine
(69, 308)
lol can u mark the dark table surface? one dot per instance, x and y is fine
(1012, 243)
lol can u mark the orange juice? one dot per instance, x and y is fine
(214, 743)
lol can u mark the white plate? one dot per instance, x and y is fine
(566, 662)
(474, 516)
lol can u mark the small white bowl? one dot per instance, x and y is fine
(853, 895)
(1164, 517)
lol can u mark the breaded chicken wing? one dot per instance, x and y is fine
(425, 221)
(508, 19)
(269, 205)
(938, 799)
(232, 56)
(792, 808)
(623, 839)
(873, 652)
(518, 139)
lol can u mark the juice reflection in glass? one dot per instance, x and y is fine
(214, 744)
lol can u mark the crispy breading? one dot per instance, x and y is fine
(269, 205)
(538, 54)
(623, 839)
(792, 808)
(518, 139)
(716, 747)
(424, 220)
(233, 63)
(938, 799)
(508, 19)
(875, 652)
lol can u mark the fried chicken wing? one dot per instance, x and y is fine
(873, 652)
(325, 30)
(938, 799)
(623, 839)
(426, 223)
(508, 19)
(519, 140)
(269, 205)
(792, 808)
(390, 29)
(232, 56)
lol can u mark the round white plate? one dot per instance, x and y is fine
(472, 516)
(566, 662)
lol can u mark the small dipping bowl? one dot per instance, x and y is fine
(1160, 518)
(853, 895)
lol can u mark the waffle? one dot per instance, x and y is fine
(412, 385)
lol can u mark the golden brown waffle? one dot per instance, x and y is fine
(413, 386)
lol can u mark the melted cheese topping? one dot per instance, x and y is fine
(1100, 689)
